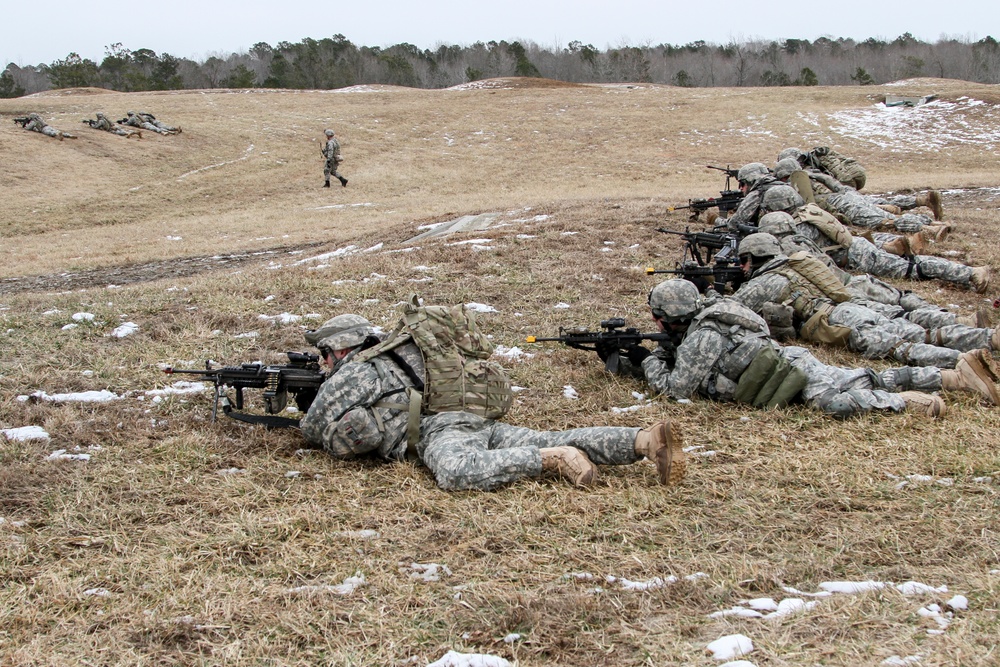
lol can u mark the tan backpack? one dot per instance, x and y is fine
(458, 374)
(844, 169)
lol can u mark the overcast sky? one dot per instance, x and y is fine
(33, 34)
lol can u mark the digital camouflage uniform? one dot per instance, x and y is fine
(855, 208)
(860, 255)
(36, 124)
(462, 450)
(102, 123)
(942, 326)
(331, 151)
(749, 209)
(148, 121)
(866, 257)
(871, 334)
(716, 350)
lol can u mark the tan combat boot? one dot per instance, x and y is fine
(980, 279)
(932, 200)
(926, 404)
(937, 232)
(662, 444)
(981, 320)
(569, 463)
(897, 246)
(916, 243)
(971, 375)
(889, 208)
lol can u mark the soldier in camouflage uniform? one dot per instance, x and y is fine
(866, 289)
(361, 409)
(102, 123)
(148, 121)
(331, 152)
(715, 341)
(857, 254)
(36, 124)
(824, 313)
(793, 159)
(754, 180)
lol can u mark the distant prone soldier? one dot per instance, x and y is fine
(102, 123)
(36, 124)
(148, 121)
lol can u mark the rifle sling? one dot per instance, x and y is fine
(269, 422)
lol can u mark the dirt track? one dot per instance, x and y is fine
(189, 266)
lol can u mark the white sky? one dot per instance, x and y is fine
(196, 30)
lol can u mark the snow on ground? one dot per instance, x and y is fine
(23, 433)
(929, 127)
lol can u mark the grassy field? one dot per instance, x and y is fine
(183, 541)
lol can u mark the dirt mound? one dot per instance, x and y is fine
(513, 82)
(67, 92)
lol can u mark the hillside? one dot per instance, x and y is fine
(134, 530)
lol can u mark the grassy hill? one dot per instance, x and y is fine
(182, 541)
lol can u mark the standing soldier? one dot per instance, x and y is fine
(331, 151)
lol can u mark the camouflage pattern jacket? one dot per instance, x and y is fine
(355, 411)
(719, 345)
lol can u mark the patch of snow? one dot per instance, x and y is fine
(23, 433)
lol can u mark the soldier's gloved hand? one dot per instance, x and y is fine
(605, 350)
(637, 354)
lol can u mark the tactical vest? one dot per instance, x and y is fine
(844, 169)
(458, 375)
(760, 376)
(827, 224)
(812, 283)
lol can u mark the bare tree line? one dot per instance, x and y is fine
(335, 62)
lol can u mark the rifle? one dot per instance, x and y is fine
(729, 171)
(22, 120)
(728, 199)
(697, 242)
(301, 377)
(89, 121)
(612, 341)
(722, 273)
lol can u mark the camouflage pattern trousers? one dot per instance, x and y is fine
(942, 325)
(465, 451)
(844, 392)
(331, 169)
(864, 256)
(878, 337)
(858, 210)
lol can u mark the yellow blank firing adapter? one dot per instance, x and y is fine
(530, 339)
(650, 270)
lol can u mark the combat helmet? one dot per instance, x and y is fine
(785, 167)
(760, 246)
(340, 332)
(328, 133)
(777, 224)
(781, 198)
(794, 153)
(675, 300)
(750, 173)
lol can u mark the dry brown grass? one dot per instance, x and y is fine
(198, 566)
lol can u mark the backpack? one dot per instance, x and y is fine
(844, 169)
(458, 375)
